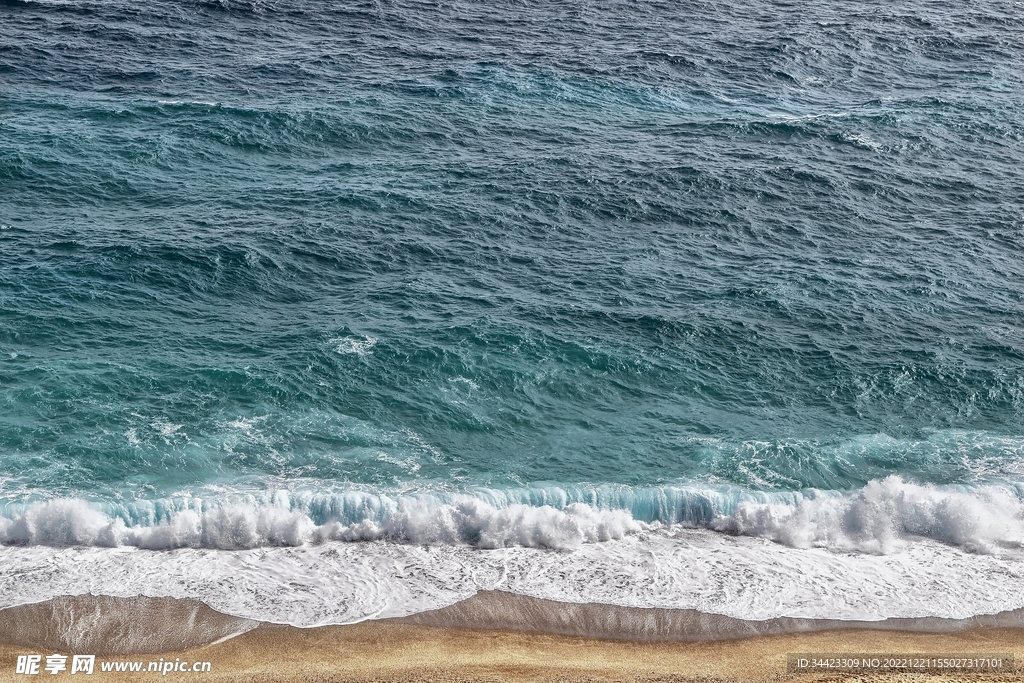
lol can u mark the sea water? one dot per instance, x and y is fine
(323, 311)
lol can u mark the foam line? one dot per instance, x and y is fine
(878, 518)
(499, 610)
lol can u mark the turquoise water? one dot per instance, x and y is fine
(364, 262)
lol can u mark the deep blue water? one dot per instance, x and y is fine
(554, 251)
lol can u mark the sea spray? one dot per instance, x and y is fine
(878, 518)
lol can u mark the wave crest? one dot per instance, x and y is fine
(879, 518)
(66, 522)
(883, 515)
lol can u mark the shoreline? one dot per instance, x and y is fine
(455, 644)
(401, 653)
(500, 610)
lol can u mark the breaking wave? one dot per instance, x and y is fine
(878, 518)
(230, 526)
(882, 516)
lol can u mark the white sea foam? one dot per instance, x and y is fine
(488, 527)
(890, 549)
(882, 517)
(426, 520)
(358, 346)
(337, 583)
(204, 103)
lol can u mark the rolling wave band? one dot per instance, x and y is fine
(877, 518)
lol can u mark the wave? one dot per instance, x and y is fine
(671, 568)
(66, 522)
(878, 518)
(882, 516)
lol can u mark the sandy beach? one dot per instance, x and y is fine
(395, 650)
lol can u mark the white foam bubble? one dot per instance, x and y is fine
(359, 346)
(234, 525)
(473, 521)
(881, 517)
(204, 103)
(890, 549)
(885, 515)
(60, 522)
(337, 583)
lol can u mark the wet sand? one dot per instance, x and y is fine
(396, 650)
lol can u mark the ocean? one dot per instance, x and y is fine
(321, 311)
